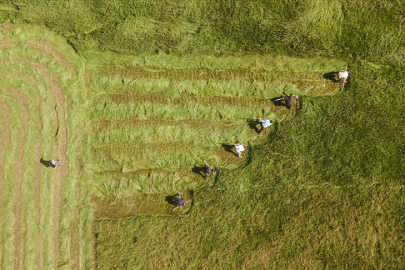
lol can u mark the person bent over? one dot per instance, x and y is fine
(343, 75)
(239, 148)
(179, 202)
(289, 100)
(265, 123)
(208, 170)
(54, 163)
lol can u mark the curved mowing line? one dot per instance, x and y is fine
(4, 141)
(37, 176)
(61, 173)
(45, 48)
(60, 127)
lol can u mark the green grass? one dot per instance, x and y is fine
(322, 189)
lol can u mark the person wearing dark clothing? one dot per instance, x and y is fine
(289, 100)
(179, 202)
(208, 170)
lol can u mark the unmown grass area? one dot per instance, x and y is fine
(308, 28)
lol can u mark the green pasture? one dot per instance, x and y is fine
(135, 95)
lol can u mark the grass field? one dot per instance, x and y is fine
(133, 96)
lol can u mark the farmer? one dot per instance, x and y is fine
(265, 123)
(289, 100)
(207, 170)
(54, 163)
(343, 75)
(239, 148)
(179, 202)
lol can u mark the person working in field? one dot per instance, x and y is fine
(207, 170)
(54, 163)
(179, 202)
(289, 100)
(264, 123)
(343, 75)
(239, 148)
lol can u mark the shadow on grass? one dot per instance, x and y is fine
(46, 163)
(278, 101)
(253, 123)
(170, 199)
(229, 148)
(197, 169)
(331, 76)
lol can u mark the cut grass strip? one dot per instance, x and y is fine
(157, 204)
(205, 134)
(277, 84)
(146, 110)
(169, 156)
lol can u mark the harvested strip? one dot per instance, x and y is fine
(169, 156)
(46, 48)
(146, 110)
(205, 74)
(156, 204)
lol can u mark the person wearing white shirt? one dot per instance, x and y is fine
(343, 75)
(265, 123)
(239, 148)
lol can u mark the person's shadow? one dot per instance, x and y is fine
(198, 170)
(253, 123)
(331, 76)
(46, 163)
(229, 148)
(170, 199)
(278, 101)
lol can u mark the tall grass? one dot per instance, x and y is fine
(305, 28)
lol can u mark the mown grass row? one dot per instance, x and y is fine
(213, 135)
(146, 109)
